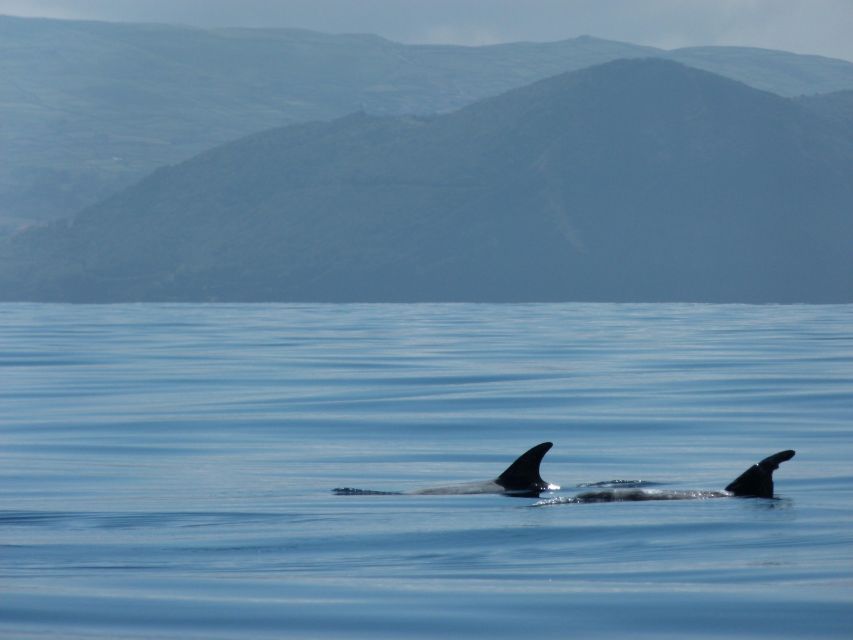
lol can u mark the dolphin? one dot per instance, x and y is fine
(755, 482)
(520, 479)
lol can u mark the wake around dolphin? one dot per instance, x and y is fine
(520, 479)
(755, 482)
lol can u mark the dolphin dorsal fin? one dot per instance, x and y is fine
(757, 481)
(523, 474)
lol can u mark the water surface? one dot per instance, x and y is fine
(166, 470)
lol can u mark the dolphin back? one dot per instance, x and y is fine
(523, 474)
(757, 481)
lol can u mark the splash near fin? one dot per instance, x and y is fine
(757, 481)
(523, 474)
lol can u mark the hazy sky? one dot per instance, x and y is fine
(806, 26)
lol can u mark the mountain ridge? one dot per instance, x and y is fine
(91, 107)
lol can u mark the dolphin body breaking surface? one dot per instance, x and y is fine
(520, 479)
(755, 482)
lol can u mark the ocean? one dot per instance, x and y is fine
(166, 471)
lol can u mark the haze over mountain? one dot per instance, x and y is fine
(633, 180)
(89, 107)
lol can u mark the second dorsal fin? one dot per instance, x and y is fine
(757, 481)
(523, 474)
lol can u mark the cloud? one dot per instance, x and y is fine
(818, 26)
(38, 9)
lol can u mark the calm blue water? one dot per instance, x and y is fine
(166, 471)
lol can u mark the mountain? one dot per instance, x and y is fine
(87, 108)
(787, 74)
(636, 180)
(836, 106)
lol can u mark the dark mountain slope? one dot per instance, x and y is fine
(634, 180)
(836, 106)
